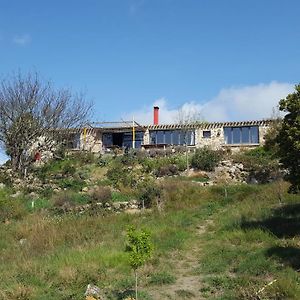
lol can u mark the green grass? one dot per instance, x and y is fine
(250, 240)
(253, 242)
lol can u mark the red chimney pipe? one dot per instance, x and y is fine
(155, 115)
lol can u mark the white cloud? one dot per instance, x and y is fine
(22, 40)
(230, 104)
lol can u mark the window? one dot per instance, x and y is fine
(172, 137)
(206, 134)
(241, 135)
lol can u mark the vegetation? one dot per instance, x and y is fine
(34, 116)
(54, 257)
(140, 248)
(205, 159)
(289, 138)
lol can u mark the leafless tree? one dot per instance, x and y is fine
(187, 117)
(35, 114)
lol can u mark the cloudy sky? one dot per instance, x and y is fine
(224, 60)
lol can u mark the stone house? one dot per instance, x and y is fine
(103, 137)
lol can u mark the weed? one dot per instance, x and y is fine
(161, 278)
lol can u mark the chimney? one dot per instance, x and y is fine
(155, 115)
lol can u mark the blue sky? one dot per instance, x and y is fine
(228, 59)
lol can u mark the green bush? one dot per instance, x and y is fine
(72, 184)
(205, 159)
(148, 192)
(122, 176)
(11, 208)
(260, 163)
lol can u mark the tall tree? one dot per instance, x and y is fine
(289, 138)
(34, 114)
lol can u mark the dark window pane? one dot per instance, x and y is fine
(153, 137)
(107, 139)
(168, 137)
(160, 137)
(76, 142)
(227, 135)
(175, 137)
(254, 135)
(139, 136)
(207, 134)
(127, 140)
(236, 135)
(245, 135)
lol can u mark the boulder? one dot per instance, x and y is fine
(93, 292)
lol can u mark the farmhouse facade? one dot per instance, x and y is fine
(104, 137)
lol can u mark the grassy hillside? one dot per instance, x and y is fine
(206, 246)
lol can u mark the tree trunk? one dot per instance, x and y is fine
(136, 284)
(187, 158)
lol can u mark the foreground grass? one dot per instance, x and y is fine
(252, 251)
(251, 241)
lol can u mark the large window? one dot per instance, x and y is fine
(241, 135)
(172, 137)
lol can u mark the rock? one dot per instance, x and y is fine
(132, 211)
(93, 292)
(22, 241)
(85, 189)
(17, 194)
(116, 205)
(2, 185)
(33, 195)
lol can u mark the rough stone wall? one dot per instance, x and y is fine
(216, 141)
(262, 132)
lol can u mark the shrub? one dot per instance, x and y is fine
(162, 278)
(168, 170)
(101, 194)
(260, 163)
(63, 200)
(11, 208)
(72, 184)
(68, 169)
(205, 159)
(120, 175)
(148, 192)
(83, 157)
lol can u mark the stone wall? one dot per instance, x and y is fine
(216, 141)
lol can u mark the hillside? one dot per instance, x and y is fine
(211, 241)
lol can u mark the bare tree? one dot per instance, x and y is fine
(34, 114)
(187, 117)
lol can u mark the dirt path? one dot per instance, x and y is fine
(188, 283)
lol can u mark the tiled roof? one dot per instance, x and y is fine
(207, 125)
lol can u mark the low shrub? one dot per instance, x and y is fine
(205, 159)
(72, 184)
(101, 194)
(63, 200)
(120, 175)
(260, 163)
(148, 192)
(83, 157)
(11, 208)
(168, 170)
(162, 278)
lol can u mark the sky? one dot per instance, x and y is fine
(225, 60)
